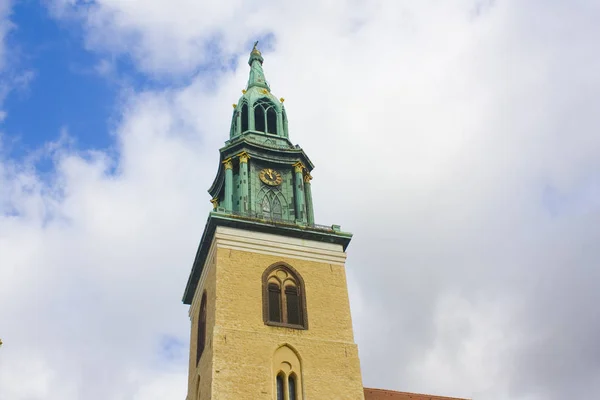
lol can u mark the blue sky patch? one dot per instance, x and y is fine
(66, 92)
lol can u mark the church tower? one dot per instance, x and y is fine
(267, 291)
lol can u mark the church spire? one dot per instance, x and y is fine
(257, 75)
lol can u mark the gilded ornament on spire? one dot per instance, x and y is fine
(254, 49)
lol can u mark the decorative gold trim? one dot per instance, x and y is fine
(282, 99)
(234, 105)
(307, 177)
(244, 157)
(243, 91)
(298, 167)
(264, 91)
(215, 202)
(227, 163)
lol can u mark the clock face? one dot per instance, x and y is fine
(270, 177)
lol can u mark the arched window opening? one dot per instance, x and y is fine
(272, 121)
(270, 204)
(274, 302)
(259, 118)
(265, 116)
(244, 117)
(288, 381)
(201, 329)
(280, 391)
(292, 387)
(284, 301)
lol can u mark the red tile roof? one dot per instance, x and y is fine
(380, 394)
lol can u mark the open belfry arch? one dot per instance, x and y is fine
(267, 291)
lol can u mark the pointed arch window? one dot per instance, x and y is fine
(292, 387)
(280, 389)
(271, 205)
(234, 124)
(284, 302)
(288, 377)
(244, 117)
(265, 116)
(201, 336)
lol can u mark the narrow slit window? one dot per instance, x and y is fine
(201, 329)
(234, 123)
(274, 302)
(244, 117)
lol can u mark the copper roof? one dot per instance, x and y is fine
(380, 394)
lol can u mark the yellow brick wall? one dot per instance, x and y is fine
(200, 376)
(242, 346)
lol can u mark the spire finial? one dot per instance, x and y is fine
(257, 76)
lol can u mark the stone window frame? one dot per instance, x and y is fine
(301, 292)
(287, 366)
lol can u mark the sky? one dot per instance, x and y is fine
(457, 140)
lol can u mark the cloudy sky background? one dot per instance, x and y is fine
(458, 140)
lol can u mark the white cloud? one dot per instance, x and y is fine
(436, 129)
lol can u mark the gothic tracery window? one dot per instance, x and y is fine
(283, 297)
(265, 116)
(288, 376)
(271, 206)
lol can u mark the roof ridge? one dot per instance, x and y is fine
(430, 396)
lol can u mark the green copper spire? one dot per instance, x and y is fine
(257, 75)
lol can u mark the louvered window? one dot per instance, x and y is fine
(274, 302)
(293, 305)
(283, 297)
